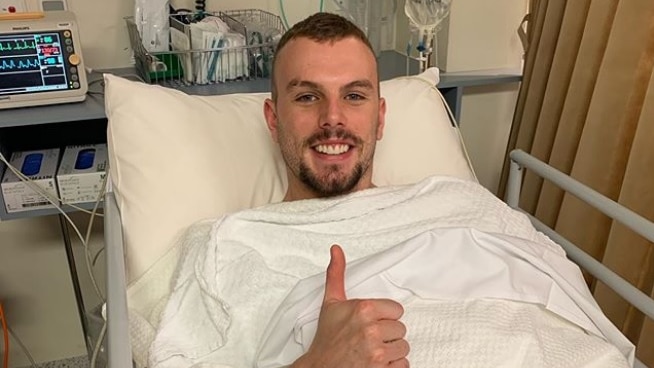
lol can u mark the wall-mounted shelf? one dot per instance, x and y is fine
(90, 109)
(393, 64)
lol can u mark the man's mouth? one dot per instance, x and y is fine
(332, 149)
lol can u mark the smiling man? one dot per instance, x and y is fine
(326, 113)
(442, 271)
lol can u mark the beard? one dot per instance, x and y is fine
(332, 180)
(333, 183)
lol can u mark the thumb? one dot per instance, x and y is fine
(335, 282)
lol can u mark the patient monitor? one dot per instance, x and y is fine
(40, 60)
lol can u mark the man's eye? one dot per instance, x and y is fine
(354, 96)
(306, 98)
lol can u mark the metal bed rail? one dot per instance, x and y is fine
(119, 351)
(521, 160)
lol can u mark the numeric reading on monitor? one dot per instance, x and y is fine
(36, 62)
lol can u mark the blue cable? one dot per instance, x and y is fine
(281, 7)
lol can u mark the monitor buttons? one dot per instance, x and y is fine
(74, 59)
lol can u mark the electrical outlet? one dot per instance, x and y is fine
(12, 6)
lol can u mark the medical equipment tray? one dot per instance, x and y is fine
(198, 57)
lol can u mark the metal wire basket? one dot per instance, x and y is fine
(198, 57)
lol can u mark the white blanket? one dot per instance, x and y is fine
(250, 295)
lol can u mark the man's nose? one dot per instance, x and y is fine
(332, 113)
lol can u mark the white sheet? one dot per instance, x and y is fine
(228, 290)
(443, 267)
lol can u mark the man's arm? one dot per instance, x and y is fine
(356, 332)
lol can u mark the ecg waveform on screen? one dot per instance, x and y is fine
(17, 46)
(19, 65)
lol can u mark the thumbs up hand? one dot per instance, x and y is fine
(355, 332)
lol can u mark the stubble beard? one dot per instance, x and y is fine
(334, 182)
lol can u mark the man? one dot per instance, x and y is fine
(253, 293)
(326, 114)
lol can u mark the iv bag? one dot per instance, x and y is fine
(151, 18)
(370, 16)
(355, 11)
(427, 14)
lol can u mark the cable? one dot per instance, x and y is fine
(281, 8)
(200, 10)
(87, 252)
(40, 190)
(201, 6)
(5, 335)
(84, 240)
(20, 343)
(97, 255)
(98, 344)
(6, 329)
(49, 198)
(100, 80)
(91, 83)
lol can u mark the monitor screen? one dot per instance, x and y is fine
(37, 62)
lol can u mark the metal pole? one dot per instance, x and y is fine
(514, 185)
(75, 278)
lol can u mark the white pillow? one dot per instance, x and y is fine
(176, 158)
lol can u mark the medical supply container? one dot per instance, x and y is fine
(82, 172)
(210, 47)
(40, 166)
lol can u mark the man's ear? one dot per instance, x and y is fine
(270, 113)
(381, 118)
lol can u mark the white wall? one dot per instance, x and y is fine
(483, 35)
(103, 32)
(485, 126)
(34, 280)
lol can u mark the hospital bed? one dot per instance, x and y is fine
(176, 159)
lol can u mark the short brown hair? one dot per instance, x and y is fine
(319, 27)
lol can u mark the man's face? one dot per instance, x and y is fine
(327, 117)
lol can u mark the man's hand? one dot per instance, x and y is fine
(357, 332)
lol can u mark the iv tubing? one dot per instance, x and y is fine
(281, 8)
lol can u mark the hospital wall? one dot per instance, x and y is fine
(35, 284)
